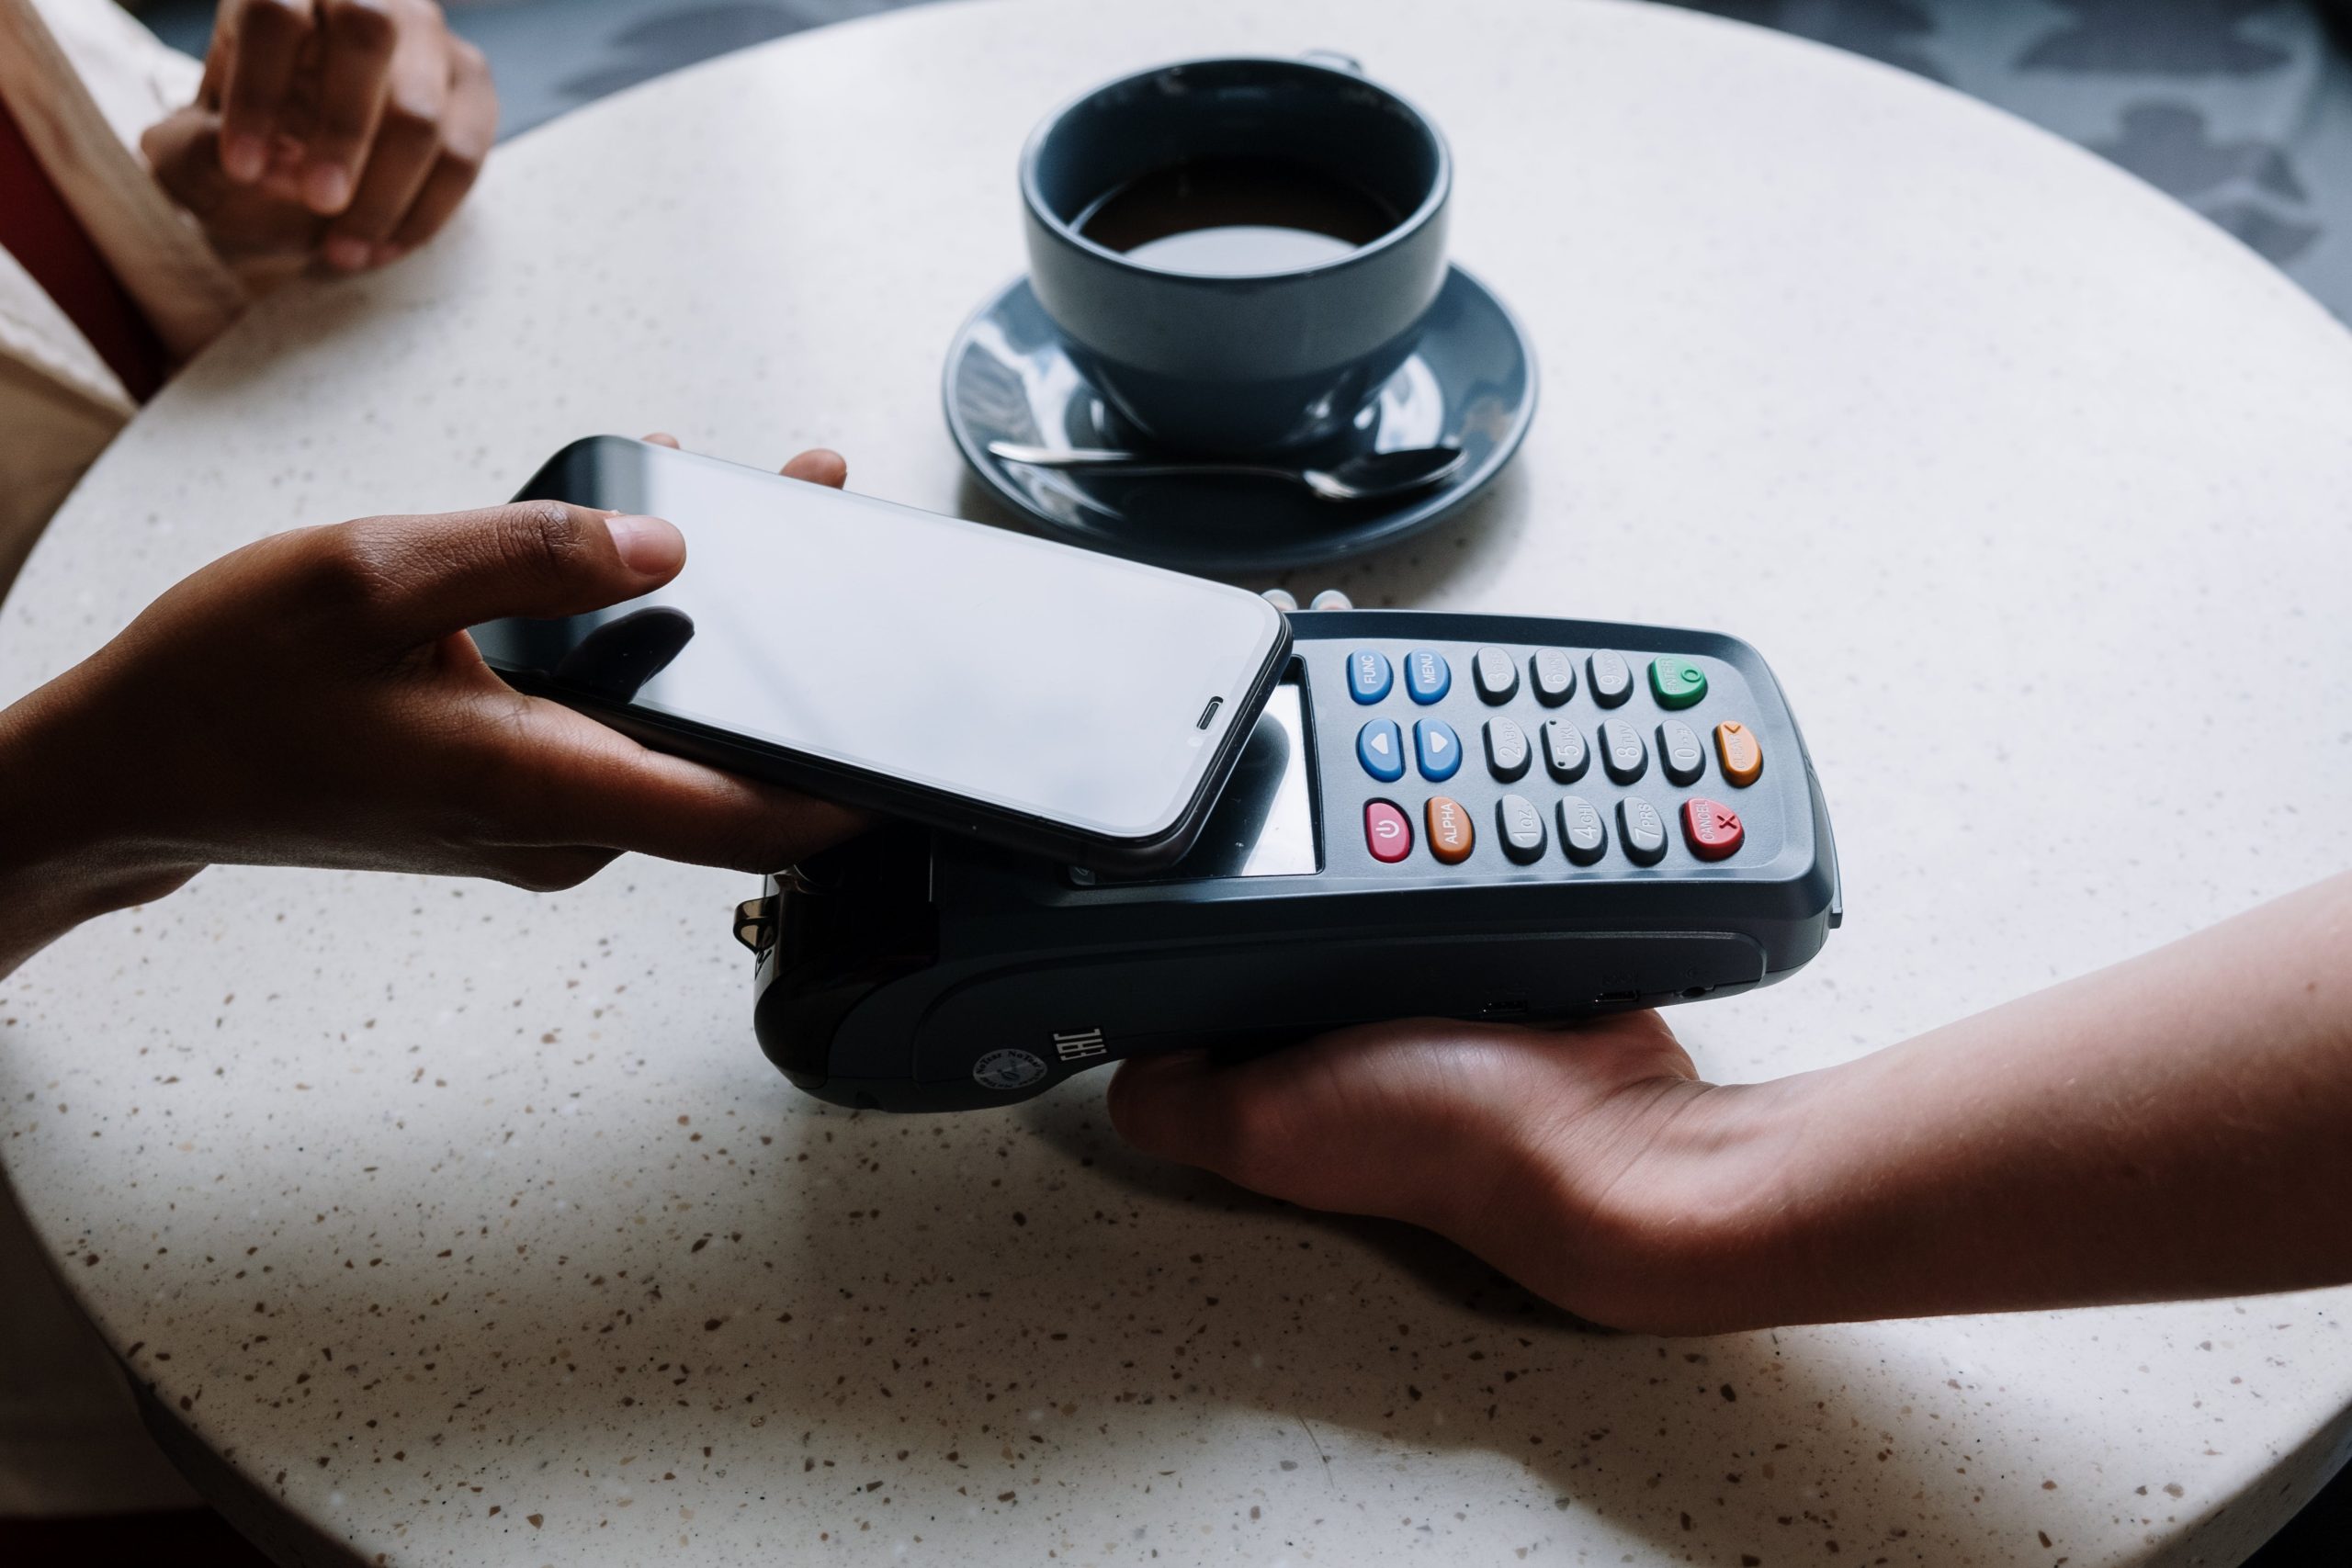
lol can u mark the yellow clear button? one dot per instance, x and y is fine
(1735, 748)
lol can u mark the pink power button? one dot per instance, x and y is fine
(1386, 833)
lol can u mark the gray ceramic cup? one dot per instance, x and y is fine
(1253, 364)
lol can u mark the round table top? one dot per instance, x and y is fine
(471, 1226)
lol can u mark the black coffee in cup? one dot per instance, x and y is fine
(1237, 253)
(1229, 217)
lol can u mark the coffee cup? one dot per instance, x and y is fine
(1238, 253)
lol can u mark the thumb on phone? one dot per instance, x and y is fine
(419, 579)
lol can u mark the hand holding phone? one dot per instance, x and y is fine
(312, 699)
(1043, 697)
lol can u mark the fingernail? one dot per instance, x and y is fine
(325, 187)
(346, 253)
(244, 157)
(647, 544)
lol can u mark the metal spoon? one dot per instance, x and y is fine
(1369, 476)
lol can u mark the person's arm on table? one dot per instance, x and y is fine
(2177, 1125)
(313, 699)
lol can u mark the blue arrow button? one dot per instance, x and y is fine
(1440, 748)
(1380, 747)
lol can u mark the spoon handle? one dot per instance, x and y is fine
(1110, 458)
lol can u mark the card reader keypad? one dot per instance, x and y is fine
(1543, 717)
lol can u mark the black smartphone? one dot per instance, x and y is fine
(1027, 692)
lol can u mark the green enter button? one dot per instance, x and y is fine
(1678, 681)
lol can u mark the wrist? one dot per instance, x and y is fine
(1680, 1215)
(68, 857)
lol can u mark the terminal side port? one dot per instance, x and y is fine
(1617, 999)
(1509, 1006)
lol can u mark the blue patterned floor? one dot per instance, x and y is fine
(2241, 108)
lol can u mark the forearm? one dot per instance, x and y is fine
(2177, 1125)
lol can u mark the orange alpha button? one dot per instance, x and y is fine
(1742, 758)
(1711, 829)
(1449, 828)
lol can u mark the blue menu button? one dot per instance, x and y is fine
(1440, 748)
(1380, 747)
(1428, 677)
(1368, 677)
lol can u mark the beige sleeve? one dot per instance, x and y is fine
(134, 76)
(83, 80)
(54, 433)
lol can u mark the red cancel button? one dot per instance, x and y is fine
(1711, 829)
(1386, 833)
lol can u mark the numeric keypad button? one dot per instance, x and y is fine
(1566, 756)
(1612, 678)
(1680, 753)
(1622, 751)
(1582, 832)
(1554, 675)
(1496, 674)
(1642, 830)
(1521, 827)
(1506, 749)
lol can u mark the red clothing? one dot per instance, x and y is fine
(48, 240)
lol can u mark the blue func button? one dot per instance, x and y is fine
(1440, 748)
(1368, 677)
(1380, 747)
(1428, 677)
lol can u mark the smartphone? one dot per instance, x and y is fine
(1027, 693)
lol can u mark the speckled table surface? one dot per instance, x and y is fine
(457, 1224)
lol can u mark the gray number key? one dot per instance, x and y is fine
(1506, 748)
(1496, 674)
(1564, 750)
(1582, 832)
(1612, 678)
(1643, 829)
(1622, 751)
(1555, 676)
(1521, 827)
(1680, 753)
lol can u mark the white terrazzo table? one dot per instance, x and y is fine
(452, 1224)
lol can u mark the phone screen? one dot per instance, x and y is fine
(979, 663)
(1264, 820)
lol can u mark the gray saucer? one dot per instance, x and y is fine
(1471, 382)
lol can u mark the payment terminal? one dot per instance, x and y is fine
(1455, 816)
